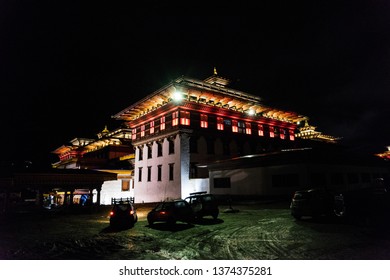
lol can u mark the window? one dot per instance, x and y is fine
(241, 127)
(220, 183)
(185, 118)
(276, 131)
(260, 129)
(171, 172)
(227, 122)
(203, 121)
(159, 149)
(149, 173)
(271, 132)
(220, 123)
(142, 130)
(149, 151)
(125, 185)
(162, 123)
(159, 168)
(151, 127)
(248, 128)
(134, 134)
(175, 118)
(140, 153)
(282, 135)
(292, 135)
(140, 174)
(234, 126)
(171, 146)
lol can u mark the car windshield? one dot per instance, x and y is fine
(159, 207)
(207, 198)
(164, 206)
(302, 195)
(123, 207)
(180, 204)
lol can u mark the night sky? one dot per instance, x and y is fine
(66, 68)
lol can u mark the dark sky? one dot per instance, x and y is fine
(66, 68)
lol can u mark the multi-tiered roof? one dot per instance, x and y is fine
(211, 91)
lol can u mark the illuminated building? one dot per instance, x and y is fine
(89, 171)
(112, 152)
(385, 155)
(26, 190)
(191, 122)
(309, 132)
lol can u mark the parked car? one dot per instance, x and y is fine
(123, 214)
(313, 203)
(362, 202)
(171, 212)
(203, 204)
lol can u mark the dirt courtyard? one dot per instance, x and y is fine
(253, 231)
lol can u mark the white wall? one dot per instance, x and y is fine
(258, 180)
(249, 181)
(165, 189)
(154, 190)
(113, 189)
(195, 185)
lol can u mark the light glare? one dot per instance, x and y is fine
(177, 95)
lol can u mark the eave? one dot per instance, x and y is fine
(197, 91)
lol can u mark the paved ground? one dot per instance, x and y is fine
(254, 231)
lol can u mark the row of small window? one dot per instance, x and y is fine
(236, 126)
(210, 148)
(158, 175)
(171, 149)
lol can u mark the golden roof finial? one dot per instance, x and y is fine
(215, 71)
(105, 130)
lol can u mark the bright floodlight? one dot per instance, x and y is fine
(251, 112)
(177, 95)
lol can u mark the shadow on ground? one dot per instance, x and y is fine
(170, 227)
(111, 229)
(208, 221)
